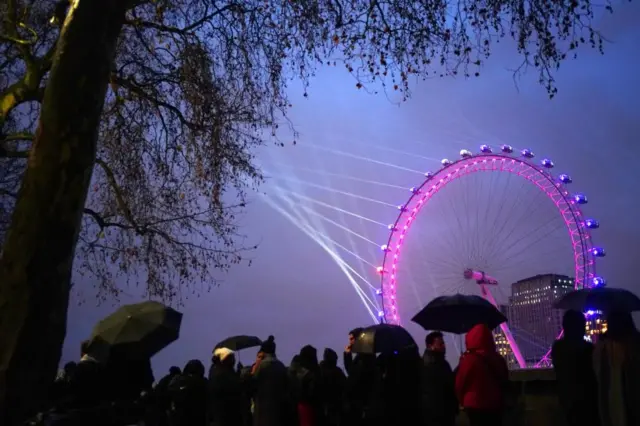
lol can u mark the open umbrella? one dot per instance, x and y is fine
(606, 299)
(382, 338)
(458, 314)
(238, 343)
(138, 330)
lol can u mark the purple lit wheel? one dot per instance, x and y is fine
(522, 165)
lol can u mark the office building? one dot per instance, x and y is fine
(527, 343)
(502, 344)
(532, 318)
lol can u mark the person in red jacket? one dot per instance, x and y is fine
(481, 378)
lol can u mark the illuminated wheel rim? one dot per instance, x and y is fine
(523, 166)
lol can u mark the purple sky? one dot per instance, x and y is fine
(296, 292)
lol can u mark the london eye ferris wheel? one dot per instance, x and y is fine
(480, 223)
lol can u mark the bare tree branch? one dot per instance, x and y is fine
(197, 24)
(195, 86)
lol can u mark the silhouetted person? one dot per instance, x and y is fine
(69, 370)
(361, 376)
(188, 393)
(164, 382)
(225, 392)
(331, 388)
(128, 377)
(617, 367)
(247, 384)
(294, 366)
(439, 401)
(61, 388)
(573, 363)
(481, 378)
(305, 384)
(348, 355)
(401, 394)
(88, 386)
(271, 394)
(161, 393)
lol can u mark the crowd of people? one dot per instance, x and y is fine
(598, 385)
(399, 388)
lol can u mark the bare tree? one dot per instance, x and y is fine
(191, 87)
(196, 85)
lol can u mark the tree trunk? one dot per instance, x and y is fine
(37, 257)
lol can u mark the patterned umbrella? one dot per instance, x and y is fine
(138, 330)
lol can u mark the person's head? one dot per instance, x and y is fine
(480, 339)
(353, 335)
(229, 360)
(225, 357)
(174, 371)
(330, 358)
(574, 324)
(84, 347)
(295, 361)
(194, 368)
(435, 342)
(309, 357)
(268, 347)
(69, 368)
(620, 324)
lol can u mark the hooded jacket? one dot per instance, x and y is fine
(482, 373)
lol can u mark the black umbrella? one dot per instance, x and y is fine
(138, 330)
(604, 299)
(458, 314)
(382, 338)
(238, 343)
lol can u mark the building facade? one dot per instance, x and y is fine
(532, 315)
(502, 344)
(533, 321)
